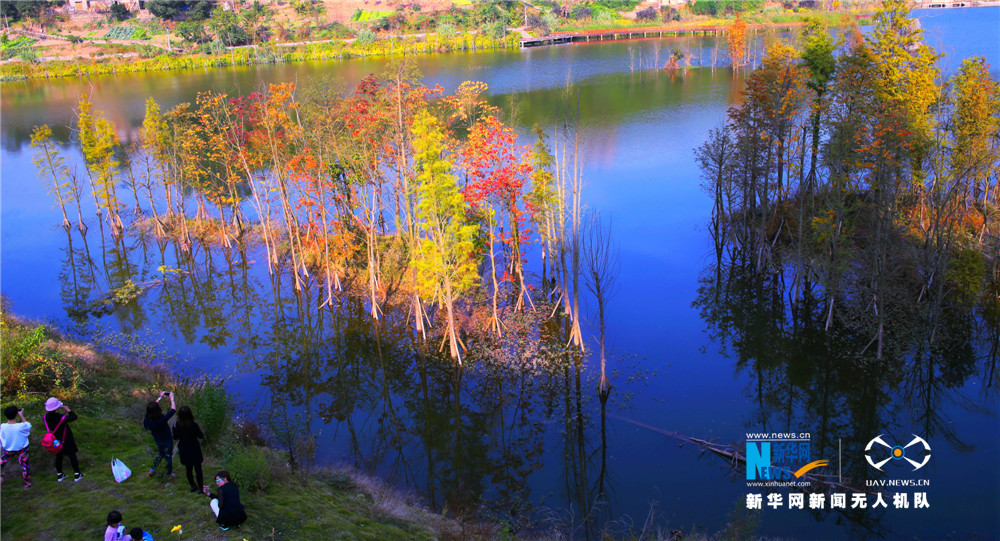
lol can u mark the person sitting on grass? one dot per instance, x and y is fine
(115, 530)
(226, 504)
(138, 534)
(14, 440)
(156, 423)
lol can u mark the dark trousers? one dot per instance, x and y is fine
(197, 471)
(72, 462)
(165, 452)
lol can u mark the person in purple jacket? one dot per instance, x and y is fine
(156, 423)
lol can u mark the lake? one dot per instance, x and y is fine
(532, 447)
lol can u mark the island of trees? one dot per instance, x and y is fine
(393, 193)
(855, 175)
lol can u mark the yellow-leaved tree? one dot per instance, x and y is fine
(98, 141)
(444, 262)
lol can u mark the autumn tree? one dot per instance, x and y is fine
(737, 41)
(974, 127)
(366, 155)
(763, 128)
(445, 267)
(99, 142)
(406, 96)
(52, 168)
(496, 171)
(817, 56)
(542, 198)
(906, 74)
(155, 142)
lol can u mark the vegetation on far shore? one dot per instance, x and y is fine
(165, 36)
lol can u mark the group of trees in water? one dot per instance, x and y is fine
(854, 166)
(856, 281)
(394, 193)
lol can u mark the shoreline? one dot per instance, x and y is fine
(108, 391)
(345, 49)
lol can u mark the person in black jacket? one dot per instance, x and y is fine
(64, 433)
(156, 422)
(226, 504)
(187, 433)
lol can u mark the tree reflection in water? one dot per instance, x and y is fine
(371, 394)
(830, 381)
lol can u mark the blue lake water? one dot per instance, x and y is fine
(502, 443)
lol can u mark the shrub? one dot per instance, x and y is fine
(246, 432)
(193, 32)
(496, 30)
(365, 36)
(119, 12)
(26, 365)
(966, 275)
(647, 14)
(539, 24)
(212, 407)
(446, 29)
(249, 466)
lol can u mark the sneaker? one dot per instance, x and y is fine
(60, 477)
(170, 476)
(77, 477)
(195, 489)
(27, 485)
(150, 473)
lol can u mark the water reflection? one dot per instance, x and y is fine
(802, 375)
(369, 393)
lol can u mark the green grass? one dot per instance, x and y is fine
(21, 41)
(110, 402)
(362, 15)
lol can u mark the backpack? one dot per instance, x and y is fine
(49, 441)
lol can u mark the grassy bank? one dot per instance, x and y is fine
(109, 393)
(334, 50)
(120, 58)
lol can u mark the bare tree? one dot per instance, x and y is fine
(602, 261)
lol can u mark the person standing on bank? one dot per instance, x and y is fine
(64, 434)
(14, 441)
(187, 433)
(226, 504)
(156, 423)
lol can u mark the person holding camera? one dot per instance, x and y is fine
(60, 423)
(14, 440)
(156, 423)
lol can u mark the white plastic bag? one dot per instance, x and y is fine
(120, 470)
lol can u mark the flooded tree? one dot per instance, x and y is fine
(445, 268)
(98, 142)
(52, 169)
(602, 264)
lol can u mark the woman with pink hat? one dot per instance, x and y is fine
(59, 422)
